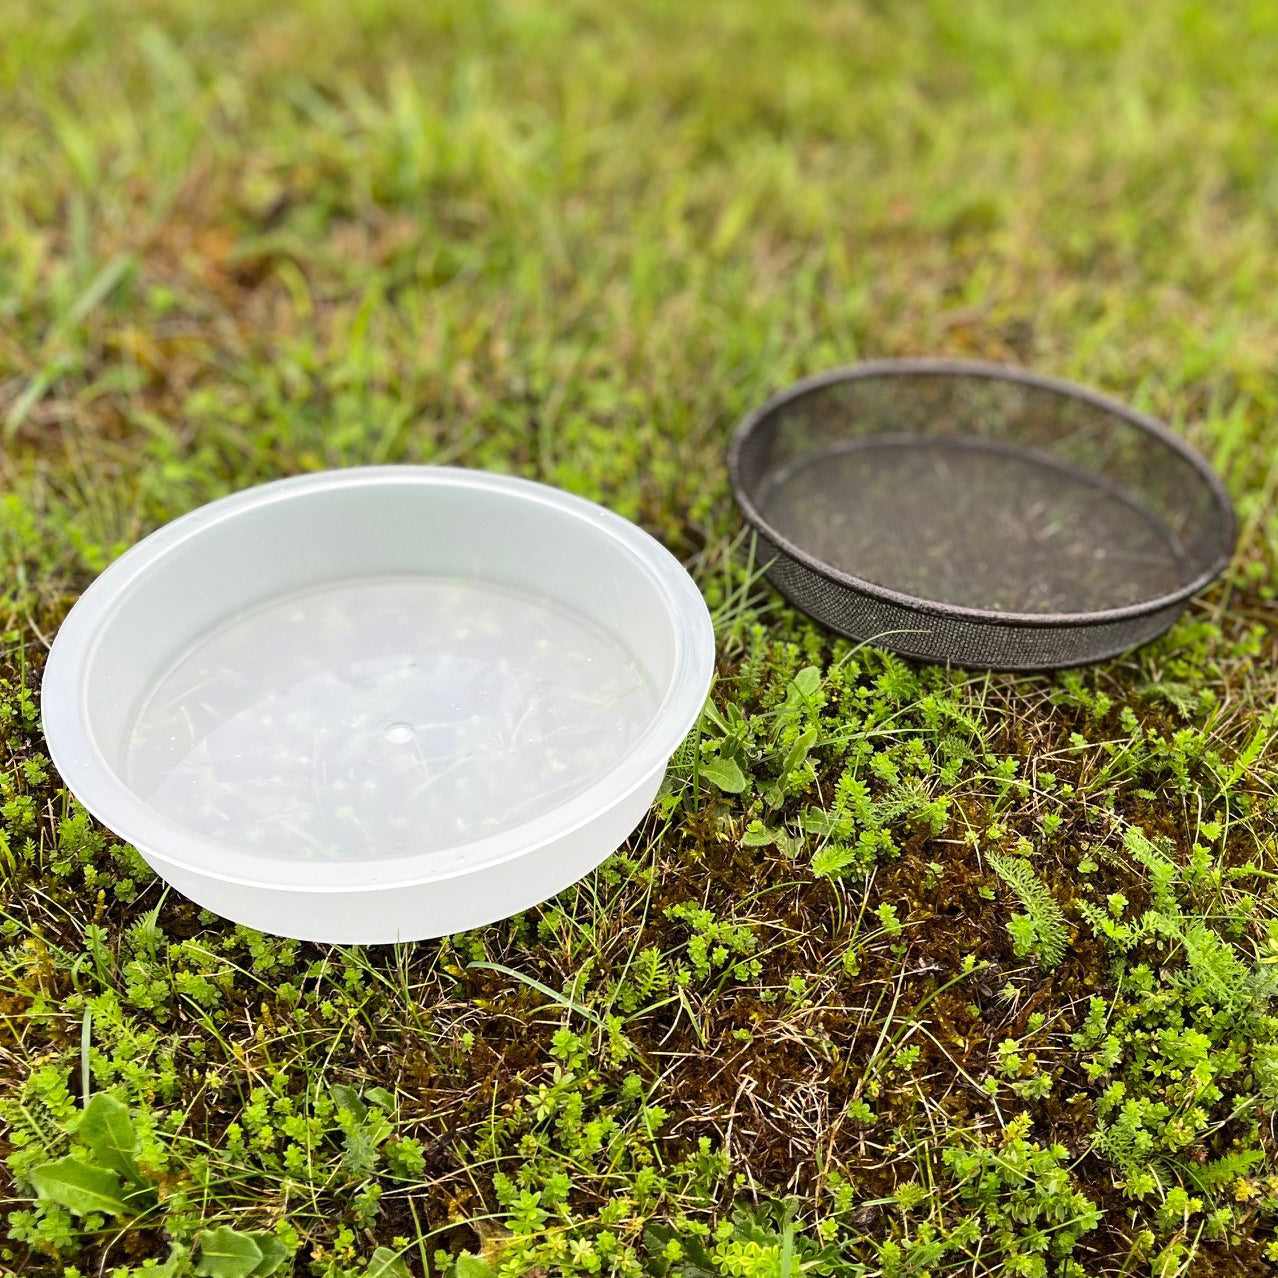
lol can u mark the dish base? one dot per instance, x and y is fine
(973, 523)
(385, 716)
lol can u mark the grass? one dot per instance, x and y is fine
(910, 970)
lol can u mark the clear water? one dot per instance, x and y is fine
(385, 716)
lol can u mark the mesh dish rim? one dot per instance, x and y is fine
(758, 418)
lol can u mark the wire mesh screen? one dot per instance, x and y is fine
(897, 500)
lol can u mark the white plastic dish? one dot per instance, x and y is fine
(379, 704)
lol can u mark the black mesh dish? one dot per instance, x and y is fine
(980, 515)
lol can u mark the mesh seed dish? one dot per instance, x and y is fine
(985, 516)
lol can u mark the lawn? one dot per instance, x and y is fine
(910, 970)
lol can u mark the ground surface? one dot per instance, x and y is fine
(909, 971)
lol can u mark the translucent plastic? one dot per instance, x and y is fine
(379, 704)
